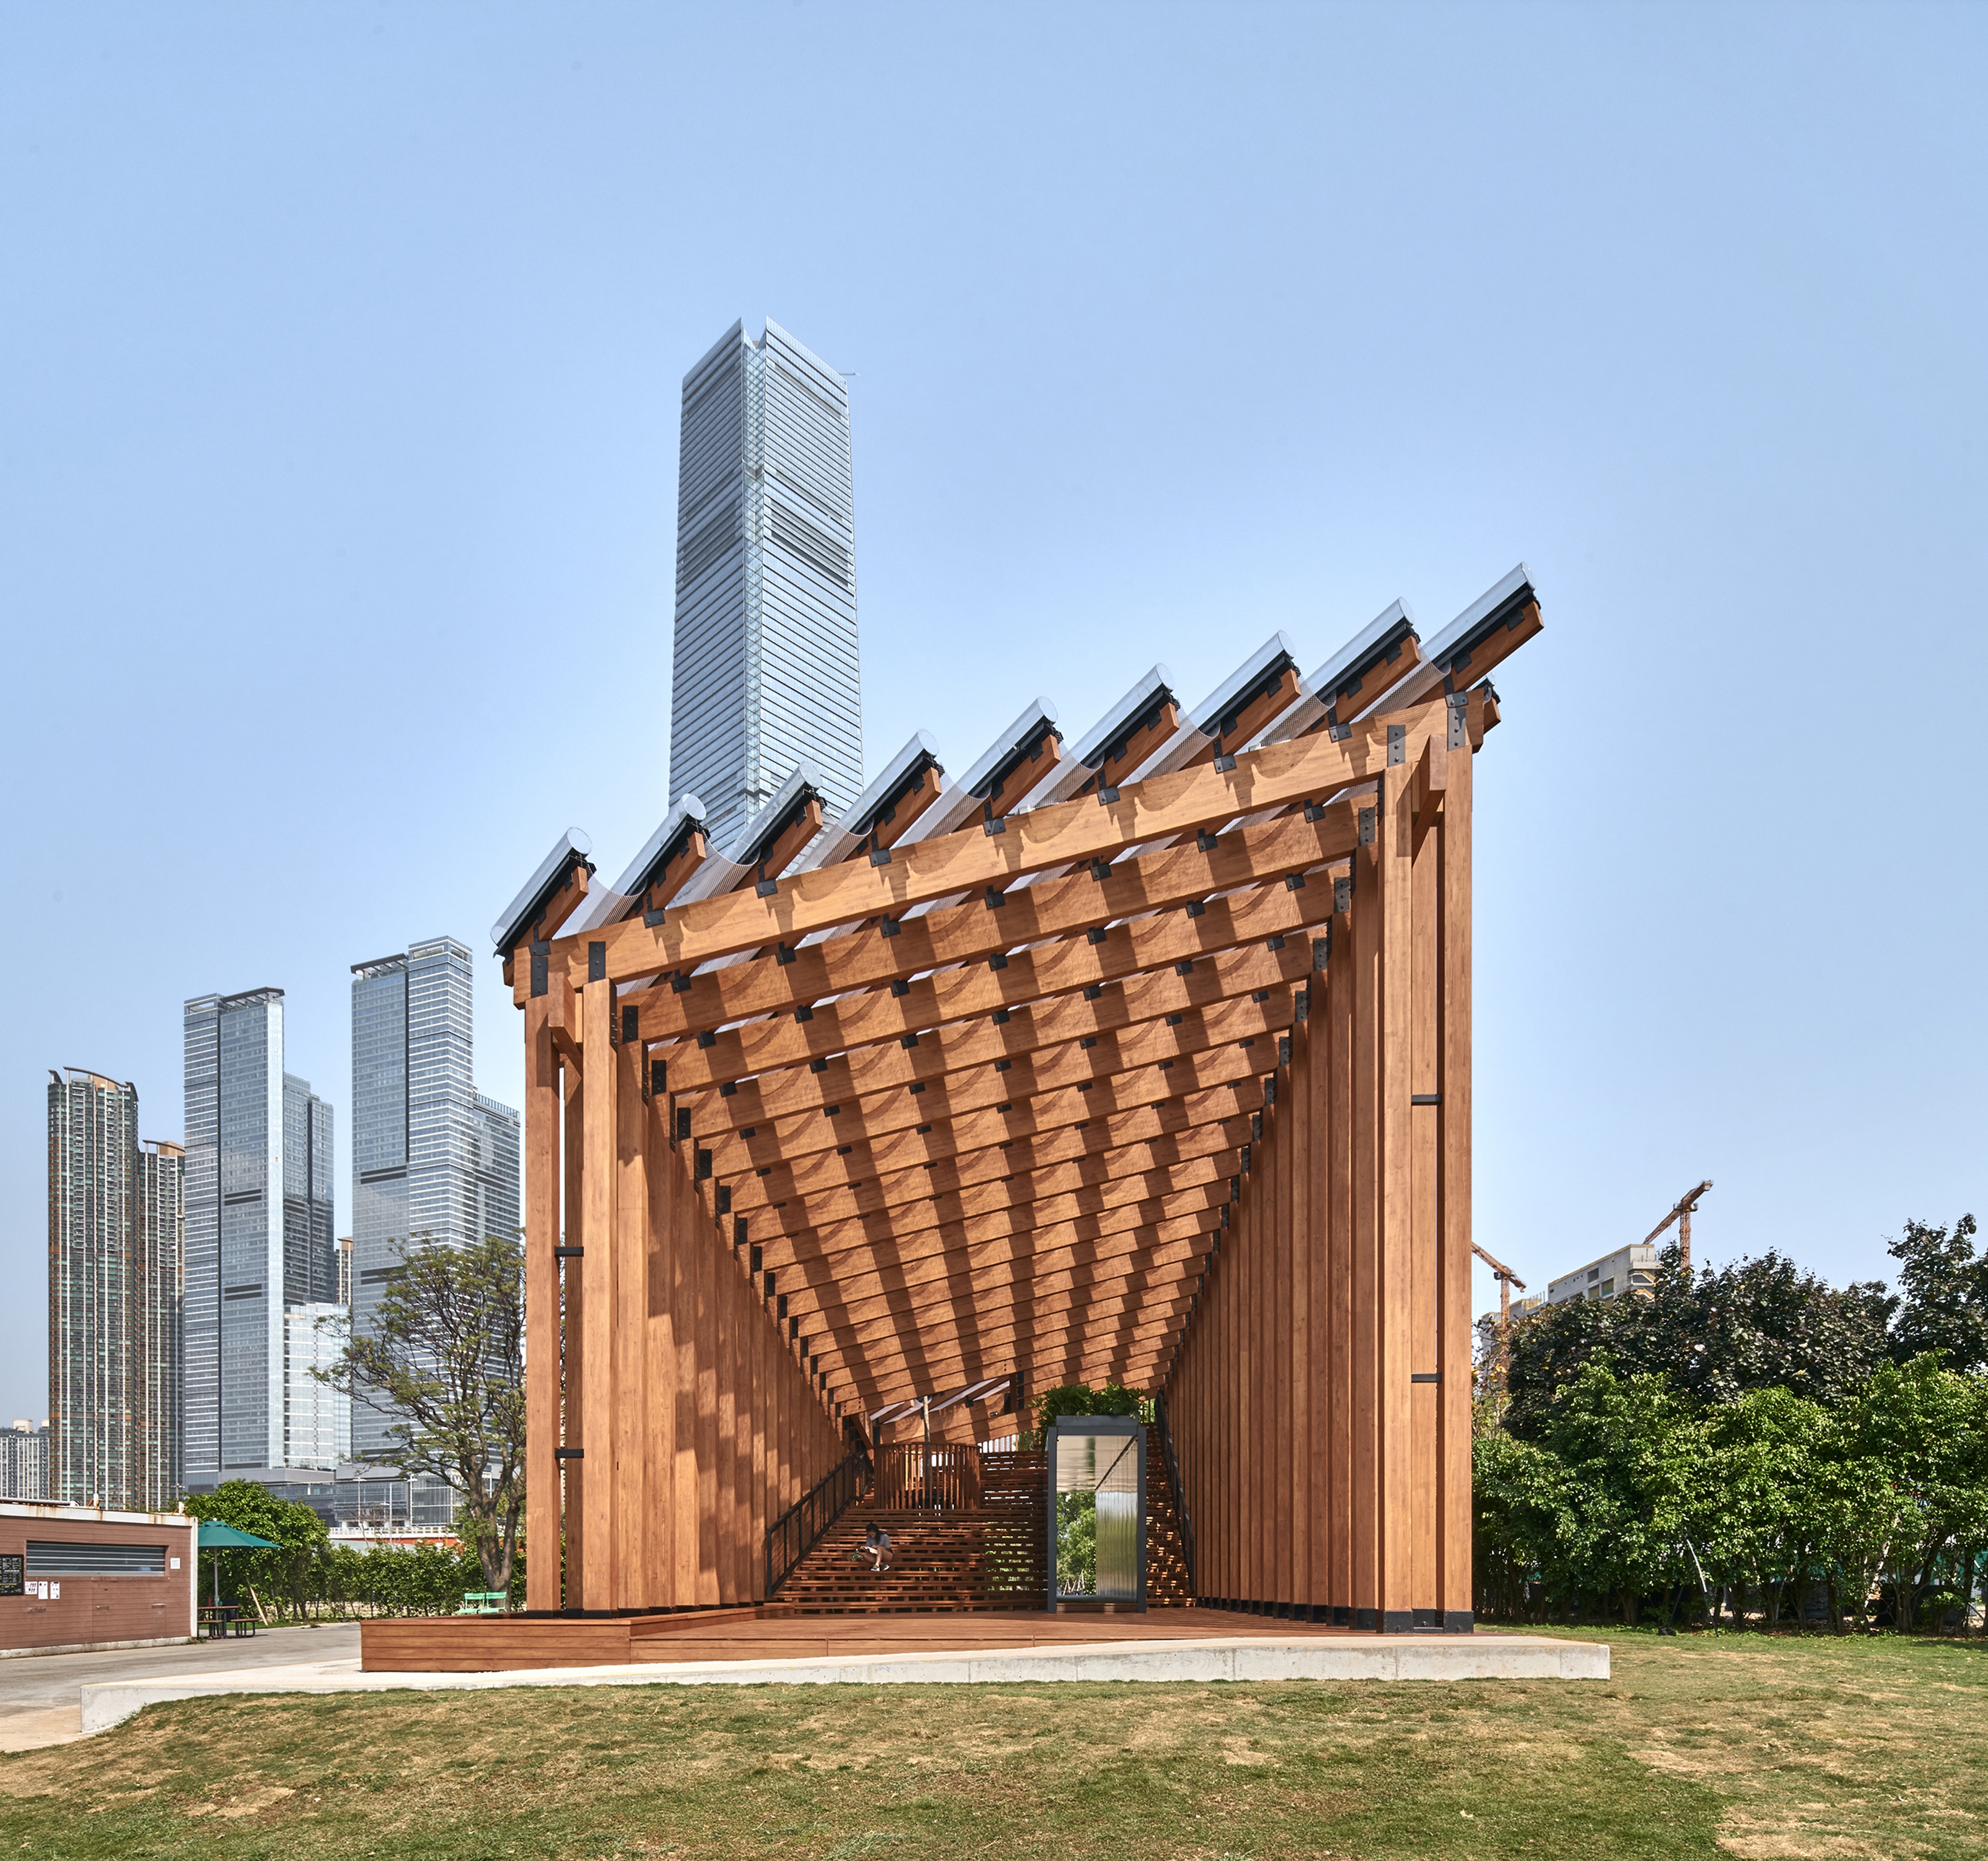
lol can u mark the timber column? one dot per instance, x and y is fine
(542, 1309)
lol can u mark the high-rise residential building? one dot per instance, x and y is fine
(159, 1392)
(24, 1461)
(433, 1160)
(317, 1416)
(345, 1271)
(114, 1266)
(766, 672)
(259, 1228)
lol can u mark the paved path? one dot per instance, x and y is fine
(1269, 1657)
(39, 1693)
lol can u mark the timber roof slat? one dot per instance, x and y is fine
(1057, 1021)
(756, 1198)
(1033, 1080)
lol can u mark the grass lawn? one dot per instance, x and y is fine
(1698, 1746)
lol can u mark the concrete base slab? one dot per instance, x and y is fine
(32, 1727)
(1365, 1657)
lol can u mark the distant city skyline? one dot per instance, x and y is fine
(343, 450)
(765, 667)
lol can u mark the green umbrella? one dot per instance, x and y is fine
(214, 1534)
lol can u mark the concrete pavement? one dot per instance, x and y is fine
(40, 1693)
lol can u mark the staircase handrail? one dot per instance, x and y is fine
(1178, 1487)
(817, 1509)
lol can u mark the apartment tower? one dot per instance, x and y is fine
(766, 670)
(114, 1271)
(433, 1160)
(259, 1231)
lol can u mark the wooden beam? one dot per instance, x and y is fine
(920, 1061)
(1052, 1113)
(1172, 1163)
(1239, 874)
(901, 1202)
(1312, 768)
(871, 1116)
(945, 1018)
(1130, 1233)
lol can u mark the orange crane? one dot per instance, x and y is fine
(1507, 1279)
(1680, 1214)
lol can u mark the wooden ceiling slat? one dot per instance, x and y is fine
(1109, 1008)
(1067, 1118)
(1022, 1194)
(1182, 1218)
(1206, 1121)
(874, 1115)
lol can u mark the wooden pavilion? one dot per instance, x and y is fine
(1145, 1060)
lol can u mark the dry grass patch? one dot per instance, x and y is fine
(1697, 1748)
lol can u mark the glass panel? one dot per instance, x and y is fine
(1097, 1503)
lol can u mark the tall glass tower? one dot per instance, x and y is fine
(259, 1228)
(766, 670)
(432, 1158)
(114, 1239)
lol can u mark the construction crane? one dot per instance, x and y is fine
(1680, 1214)
(1507, 1279)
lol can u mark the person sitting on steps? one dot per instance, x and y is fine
(877, 1548)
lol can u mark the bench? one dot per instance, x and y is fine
(484, 1602)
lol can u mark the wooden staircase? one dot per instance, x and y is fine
(949, 1561)
(1167, 1583)
(970, 1561)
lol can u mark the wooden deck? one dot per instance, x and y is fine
(482, 1644)
(816, 1637)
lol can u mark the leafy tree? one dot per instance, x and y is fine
(1946, 1287)
(1927, 1427)
(1080, 1399)
(1638, 1462)
(1757, 1518)
(1524, 1524)
(445, 1355)
(1076, 1542)
(286, 1575)
(1757, 1325)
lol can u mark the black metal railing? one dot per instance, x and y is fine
(797, 1530)
(1178, 1487)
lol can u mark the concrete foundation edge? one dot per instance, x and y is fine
(110, 1702)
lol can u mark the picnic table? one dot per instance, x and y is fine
(218, 1620)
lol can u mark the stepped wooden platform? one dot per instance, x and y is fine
(473, 1644)
(990, 1558)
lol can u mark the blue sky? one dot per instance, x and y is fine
(340, 349)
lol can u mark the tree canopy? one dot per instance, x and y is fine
(444, 1355)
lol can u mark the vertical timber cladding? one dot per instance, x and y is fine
(1322, 1386)
(680, 1425)
(1191, 1114)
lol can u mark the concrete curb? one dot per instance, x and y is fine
(1379, 1657)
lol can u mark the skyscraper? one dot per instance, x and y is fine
(432, 1159)
(114, 1242)
(766, 670)
(24, 1461)
(259, 1228)
(161, 1251)
(317, 1416)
